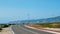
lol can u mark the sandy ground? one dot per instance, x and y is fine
(6, 31)
(51, 30)
(57, 29)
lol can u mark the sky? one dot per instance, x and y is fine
(12, 10)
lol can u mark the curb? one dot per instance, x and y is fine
(50, 31)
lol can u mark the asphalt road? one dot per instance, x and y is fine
(20, 29)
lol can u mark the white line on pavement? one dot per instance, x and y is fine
(29, 30)
(11, 30)
(42, 30)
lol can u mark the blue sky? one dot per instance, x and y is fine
(11, 10)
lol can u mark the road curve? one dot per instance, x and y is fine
(20, 29)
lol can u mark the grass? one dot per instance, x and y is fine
(50, 25)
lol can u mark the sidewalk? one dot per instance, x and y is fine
(6, 31)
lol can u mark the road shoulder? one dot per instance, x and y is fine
(42, 30)
(6, 31)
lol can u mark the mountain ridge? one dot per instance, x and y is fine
(53, 19)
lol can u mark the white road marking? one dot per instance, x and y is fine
(11, 30)
(29, 30)
(42, 30)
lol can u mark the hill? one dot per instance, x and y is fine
(53, 19)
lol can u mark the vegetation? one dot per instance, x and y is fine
(3, 26)
(50, 25)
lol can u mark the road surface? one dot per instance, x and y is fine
(20, 29)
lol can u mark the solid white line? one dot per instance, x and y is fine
(41, 30)
(29, 30)
(11, 30)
